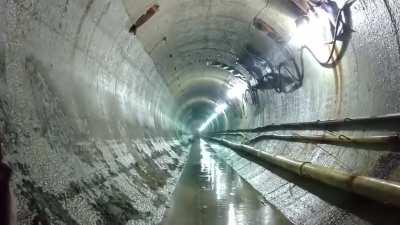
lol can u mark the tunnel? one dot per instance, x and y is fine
(108, 108)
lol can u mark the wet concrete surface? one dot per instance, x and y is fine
(211, 192)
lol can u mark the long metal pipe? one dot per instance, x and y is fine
(389, 121)
(232, 134)
(340, 139)
(384, 191)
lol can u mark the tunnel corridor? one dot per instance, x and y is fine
(170, 112)
(211, 192)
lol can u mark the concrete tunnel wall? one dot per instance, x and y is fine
(89, 119)
(86, 115)
(366, 83)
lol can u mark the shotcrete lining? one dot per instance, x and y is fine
(87, 101)
(89, 125)
(363, 84)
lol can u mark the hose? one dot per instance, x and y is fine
(328, 62)
(382, 122)
(337, 140)
(384, 191)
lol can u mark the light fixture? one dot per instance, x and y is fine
(237, 90)
(221, 108)
(239, 87)
(218, 111)
(202, 127)
(312, 31)
(208, 122)
(307, 32)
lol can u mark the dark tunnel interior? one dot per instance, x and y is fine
(177, 112)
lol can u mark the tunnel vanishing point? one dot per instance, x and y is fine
(108, 108)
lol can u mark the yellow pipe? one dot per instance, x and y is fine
(384, 191)
(341, 139)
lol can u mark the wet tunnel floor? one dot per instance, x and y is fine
(211, 192)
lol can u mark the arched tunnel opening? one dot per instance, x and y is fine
(199, 112)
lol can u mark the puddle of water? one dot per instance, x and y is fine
(212, 193)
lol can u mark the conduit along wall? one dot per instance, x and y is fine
(364, 84)
(384, 191)
(90, 112)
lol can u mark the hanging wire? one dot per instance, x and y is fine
(339, 24)
(267, 2)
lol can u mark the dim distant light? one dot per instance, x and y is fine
(218, 111)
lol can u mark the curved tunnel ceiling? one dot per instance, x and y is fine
(183, 37)
(86, 113)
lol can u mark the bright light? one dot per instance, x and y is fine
(314, 33)
(305, 33)
(202, 128)
(311, 31)
(208, 122)
(237, 90)
(221, 108)
(218, 110)
(231, 215)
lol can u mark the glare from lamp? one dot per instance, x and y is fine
(218, 110)
(310, 30)
(208, 122)
(237, 90)
(221, 108)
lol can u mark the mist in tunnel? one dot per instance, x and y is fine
(102, 103)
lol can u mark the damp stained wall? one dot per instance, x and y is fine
(86, 116)
(366, 83)
(89, 110)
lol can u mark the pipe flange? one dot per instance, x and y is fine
(301, 168)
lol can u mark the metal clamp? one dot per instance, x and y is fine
(301, 168)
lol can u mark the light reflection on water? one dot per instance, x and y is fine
(231, 215)
(210, 192)
(211, 172)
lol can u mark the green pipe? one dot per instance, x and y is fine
(384, 122)
(385, 191)
(232, 134)
(340, 139)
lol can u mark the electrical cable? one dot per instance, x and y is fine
(267, 2)
(295, 80)
(328, 62)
